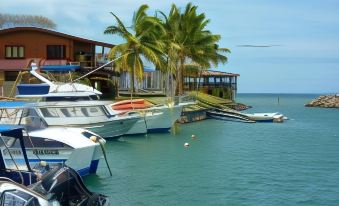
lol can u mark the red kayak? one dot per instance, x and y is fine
(128, 101)
(130, 105)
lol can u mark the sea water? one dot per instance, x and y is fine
(230, 163)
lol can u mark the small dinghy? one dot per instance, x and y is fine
(228, 116)
(266, 117)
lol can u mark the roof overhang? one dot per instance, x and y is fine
(47, 31)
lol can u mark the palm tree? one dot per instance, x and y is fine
(140, 43)
(189, 43)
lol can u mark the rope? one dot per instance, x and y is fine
(108, 63)
(105, 157)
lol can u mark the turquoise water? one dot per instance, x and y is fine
(231, 163)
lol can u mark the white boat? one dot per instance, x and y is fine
(266, 117)
(56, 91)
(89, 115)
(56, 147)
(60, 186)
(228, 116)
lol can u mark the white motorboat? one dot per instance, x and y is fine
(56, 91)
(266, 117)
(60, 186)
(228, 116)
(89, 115)
(232, 115)
(56, 147)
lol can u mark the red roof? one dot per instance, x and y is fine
(14, 29)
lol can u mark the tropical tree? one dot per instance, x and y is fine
(189, 43)
(13, 20)
(141, 43)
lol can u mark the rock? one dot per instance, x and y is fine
(326, 101)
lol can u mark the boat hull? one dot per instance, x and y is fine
(88, 163)
(156, 120)
(138, 128)
(112, 129)
(227, 116)
(266, 117)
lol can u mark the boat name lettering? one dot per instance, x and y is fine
(45, 152)
(12, 151)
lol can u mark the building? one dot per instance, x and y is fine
(19, 46)
(216, 83)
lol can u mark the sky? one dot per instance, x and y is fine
(304, 57)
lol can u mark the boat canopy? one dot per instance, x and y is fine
(32, 89)
(11, 129)
(12, 104)
(60, 68)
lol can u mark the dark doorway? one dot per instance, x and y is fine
(221, 94)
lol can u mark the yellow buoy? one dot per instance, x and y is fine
(43, 163)
(93, 138)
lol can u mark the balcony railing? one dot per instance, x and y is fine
(192, 85)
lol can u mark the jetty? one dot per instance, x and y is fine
(325, 101)
(203, 103)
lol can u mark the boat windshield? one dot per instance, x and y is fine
(12, 156)
(85, 111)
(70, 99)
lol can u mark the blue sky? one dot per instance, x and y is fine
(307, 60)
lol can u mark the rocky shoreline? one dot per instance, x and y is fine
(326, 101)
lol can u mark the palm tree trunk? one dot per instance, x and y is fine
(181, 76)
(132, 80)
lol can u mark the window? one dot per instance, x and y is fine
(56, 51)
(14, 52)
(49, 112)
(10, 75)
(95, 111)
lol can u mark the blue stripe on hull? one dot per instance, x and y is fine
(94, 166)
(82, 172)
(159, 130)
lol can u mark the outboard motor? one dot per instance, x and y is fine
(68, 188)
